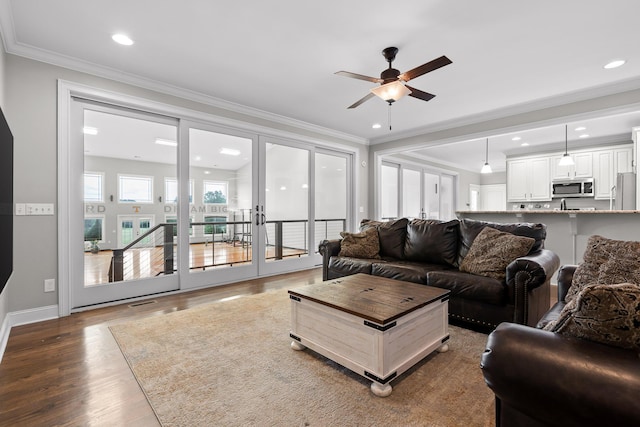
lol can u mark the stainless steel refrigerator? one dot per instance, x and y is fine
(625, 192)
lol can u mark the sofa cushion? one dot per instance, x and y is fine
(470, 228)
(606, 261)
(391, 234)
(345, 266)
(469, 286)
(432, 241)
(406, 271)
(609, 314)
(493, 250)
(360, 245)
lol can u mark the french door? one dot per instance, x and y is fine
(158, 204)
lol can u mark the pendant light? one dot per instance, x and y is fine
(486, 168)
(566, 159)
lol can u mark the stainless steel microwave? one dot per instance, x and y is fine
(572, 188)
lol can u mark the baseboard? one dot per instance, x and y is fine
(24, 317)
(5, 330)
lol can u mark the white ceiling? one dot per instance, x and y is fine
(281, 59)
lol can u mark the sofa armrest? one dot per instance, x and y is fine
(528, 284)
(560, 380)
(327, 249)
(565, 277)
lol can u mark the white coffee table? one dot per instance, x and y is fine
(374, 326)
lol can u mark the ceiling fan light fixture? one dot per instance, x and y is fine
(391, 92)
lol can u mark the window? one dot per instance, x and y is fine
(93, 229)
(215, 229)
(135, 189)
(215, 192)
(171, 190)
(93, 187)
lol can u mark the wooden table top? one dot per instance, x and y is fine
(373, 298)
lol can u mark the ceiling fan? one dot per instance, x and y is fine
(392, 82)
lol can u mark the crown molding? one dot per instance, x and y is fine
(13, 47)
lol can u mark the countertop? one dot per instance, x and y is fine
(550, 211)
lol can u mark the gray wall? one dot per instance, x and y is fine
(31, 99)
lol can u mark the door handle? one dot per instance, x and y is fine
(257, 217)
(262, 218)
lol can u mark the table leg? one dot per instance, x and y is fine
(381, 390)
(297, 346)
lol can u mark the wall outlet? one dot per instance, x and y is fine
(50, 285)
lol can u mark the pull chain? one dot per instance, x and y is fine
(389, 116)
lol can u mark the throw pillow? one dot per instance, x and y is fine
(493, 250)
(604, 262)
(391, 235)
(360, 245)
(432, 241)
(608, 314)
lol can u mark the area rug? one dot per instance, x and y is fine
(230, 363)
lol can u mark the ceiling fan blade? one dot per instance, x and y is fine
(425, 68)
(362, 100)
(417, 93)
(359, 76)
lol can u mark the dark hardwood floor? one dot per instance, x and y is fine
(70, 371)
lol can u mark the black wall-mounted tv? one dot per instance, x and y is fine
(6, 201)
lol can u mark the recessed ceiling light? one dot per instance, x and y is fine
(122, 39)
(89, 130)
(207, 172)
(615, 64)
(305, 186)
(516, 138)
(524, 144)
(283, 188)
(198, 158)
(167, 142)
(584, 135)
(230, 151)
(579, 128)
(376, 126)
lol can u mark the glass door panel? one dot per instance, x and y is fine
(286, 207)
(121, 157)
(221, 169)
(447, 201)
(389, 192)
(431, 196)
(411, 201)
(332, 189)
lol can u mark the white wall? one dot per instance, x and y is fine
(31, 98)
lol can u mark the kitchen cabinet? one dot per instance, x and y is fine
(528, 179)
(606, 166)
(582, 167)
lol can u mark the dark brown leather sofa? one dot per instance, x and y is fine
(430, 251)
(541, 378)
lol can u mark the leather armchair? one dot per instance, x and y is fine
(545, 379)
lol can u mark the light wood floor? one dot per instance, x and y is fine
(70, 371)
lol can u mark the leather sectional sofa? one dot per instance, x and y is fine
(430, 252)
(541, 378)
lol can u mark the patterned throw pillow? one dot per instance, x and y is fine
(493, 250)
(606, 261)
(360, 245)
(608, 314)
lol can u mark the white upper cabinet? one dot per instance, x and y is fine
(528, 179)
(607, 164)
(582, 167)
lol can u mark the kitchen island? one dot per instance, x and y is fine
(569, 230)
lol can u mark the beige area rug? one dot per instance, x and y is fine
(230, 364)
